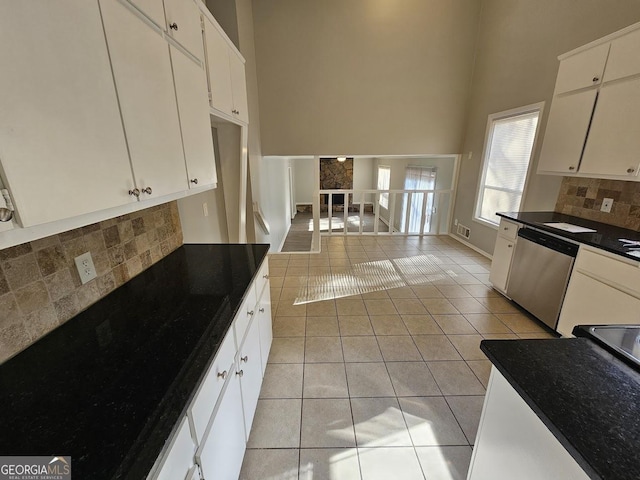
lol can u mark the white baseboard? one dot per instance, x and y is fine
(472, 247)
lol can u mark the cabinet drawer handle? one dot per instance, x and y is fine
(510, 246)
(240, 373)
(194, 181)
(244, 359)
(595, 79)
(135, 192)
(147, 190)
(572, 167)
(222, 375)
(261, 310)
(506, 228)
(265, 276)
(631, 170)
(174, 26)
(250, 313)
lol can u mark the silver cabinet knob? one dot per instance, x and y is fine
(244, 359)
(237, 112)
(631, 170)
(250, 313)
(135, 192)
(595, 79)
(510, 246)
(222, 375)
(240, 373)
(572, 167)
(261, 310)
(173, 26)
(265, 276)
(506, 228)
(147, 190)
(194, 181)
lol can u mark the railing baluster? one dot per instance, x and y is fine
(392, 210)
(345, 208)
(407, 215)
(361, 213)
(423, 215)
(376, 214)
(330, 210)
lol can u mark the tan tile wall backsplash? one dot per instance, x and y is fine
(40, 287)
(582, 197)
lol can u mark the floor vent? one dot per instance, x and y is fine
(463, 231)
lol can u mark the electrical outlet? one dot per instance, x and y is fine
(86, 268)
(607, 203)
(455, 222)
(205, 209)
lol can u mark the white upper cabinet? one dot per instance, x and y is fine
(193, 105)
(613, 145)
(624, 57)
(566, 132)
(144, 82)
(62, 146)
(582, 70)
(153, 9)
(184, 25)
(239, 87)
(218, 68)
(593, 122)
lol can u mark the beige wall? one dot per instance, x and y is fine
(516, 65)
(363, 77)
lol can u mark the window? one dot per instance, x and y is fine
(418, 178)
(384, 177)
(508, 147)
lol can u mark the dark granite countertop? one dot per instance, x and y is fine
(585, 396)
(109, 386)
(606, 236)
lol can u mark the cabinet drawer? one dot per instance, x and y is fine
(508, 229)
(245, 313)
(617, 273)
(262, 278)
(205, 400)
(179, 458)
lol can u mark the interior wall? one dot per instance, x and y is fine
(363, 178)
(516, 65)
(225, 13)
(364, 77)
(303, 179)
(274, 183)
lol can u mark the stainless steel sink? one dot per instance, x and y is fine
(624, 340)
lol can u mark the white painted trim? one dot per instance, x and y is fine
(471, 246)
(539, 107)
(600, 41)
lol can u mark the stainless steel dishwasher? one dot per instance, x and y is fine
(539, 274)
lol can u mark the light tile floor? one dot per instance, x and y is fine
(368, 380)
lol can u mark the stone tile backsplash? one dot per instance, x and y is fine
(40, 287)
(582, 197)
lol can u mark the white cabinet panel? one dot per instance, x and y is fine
(613, 145)
(245, 314)
(239, 87)
(250, 371)
(624, 57)
(193, 105)
(218, 68)
(153, 9)
(62, 145)
(508, 229)
(512, 442)
(582, 70)
(266, 329)
(221, 452)
(183, 24)
(566, 132)
(501, 263)
(144, 82)
(178, 461)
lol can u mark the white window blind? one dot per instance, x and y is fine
(509, 145)
(384, 177)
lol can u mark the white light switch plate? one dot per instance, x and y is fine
(86, 269)
(607, 203)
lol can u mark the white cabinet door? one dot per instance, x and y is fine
(193, 105)
(183, 24)
(566, 132)
(624, 59)
(154, 9)
(590, 302)
(142, 71)
(178, 460)
(501, 263)
(264, 322)
(62, 147)
(239, 87)
(613, 145)
(221, 452)
(250, 372)
(582, 70)
(218, 68)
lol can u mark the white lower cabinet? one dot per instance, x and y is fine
(512, 442)
(503, 254)
(220, 416)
